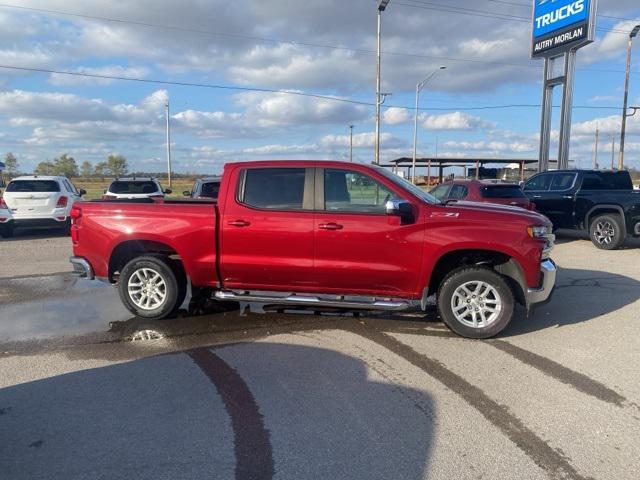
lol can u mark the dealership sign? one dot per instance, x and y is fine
(561, 25)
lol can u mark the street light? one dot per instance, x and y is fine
(419, 87)
(351, 143)
(632, 35)
(382, 6)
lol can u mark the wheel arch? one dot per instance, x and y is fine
(130, 249)
(499, 261)
(603, 209)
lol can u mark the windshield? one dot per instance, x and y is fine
(33, 186)
(407, 185)
(501, 191)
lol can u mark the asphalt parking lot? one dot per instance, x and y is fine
(87, 392)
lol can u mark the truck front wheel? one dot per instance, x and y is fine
(150, 288)
(475, 302)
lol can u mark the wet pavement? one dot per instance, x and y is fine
(87, 391)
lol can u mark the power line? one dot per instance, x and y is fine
(284, 92)
(528, 5)
(483, 13)
(281, 41)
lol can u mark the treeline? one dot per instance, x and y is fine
(66, 165)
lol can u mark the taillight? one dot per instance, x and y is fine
(3, 204)
(62, 202)
(76, 212)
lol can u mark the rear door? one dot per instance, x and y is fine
(267, 229)
(558, 201)
(359, 248)
(32, 198)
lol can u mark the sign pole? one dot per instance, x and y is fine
(545, 122)
(567, 103)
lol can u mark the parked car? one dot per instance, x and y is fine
(321, 234)
(204, 188)
(6, 220)
(40, 201)
(483, 191)
(135, 188)
(602, 203)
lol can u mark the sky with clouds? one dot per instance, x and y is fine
(323, 47)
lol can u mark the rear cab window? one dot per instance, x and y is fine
(48, 186)
(133, 187)
(501, 191)
(562, 181)
(275, 189)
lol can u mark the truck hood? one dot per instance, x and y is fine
(494, 208)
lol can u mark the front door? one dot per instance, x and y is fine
(267, 230)
(359, 248)
(553, 195)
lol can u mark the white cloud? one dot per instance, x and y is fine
(362, 140)
(455, 121)
(396, 116)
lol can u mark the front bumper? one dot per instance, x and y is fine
(542, 294)
(82, 268)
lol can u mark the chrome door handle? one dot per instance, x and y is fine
(239, 223)
(567, 196)
(537, 196)
(330, 226)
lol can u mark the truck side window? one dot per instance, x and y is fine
(562, 181)
(538, 182)
(458, 192)
(440, 192)
(347, 191)
(273, 188)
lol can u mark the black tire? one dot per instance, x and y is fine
(173, 286)
(7, 231)
(501, 289)
(607, 231)
(66, 228)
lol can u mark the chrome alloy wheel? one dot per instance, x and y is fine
(476, 304)
(147, 289)
(604, 232)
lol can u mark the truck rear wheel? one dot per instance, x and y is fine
(606, 232)
(475, 302)
(150, 287)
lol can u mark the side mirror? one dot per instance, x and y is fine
(402, 209)
(82, 192)
(521, 183)
(168, 191)
(186, 193)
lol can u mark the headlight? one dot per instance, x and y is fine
(539, 231)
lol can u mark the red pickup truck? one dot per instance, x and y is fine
(320, 234)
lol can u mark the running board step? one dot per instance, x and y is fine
(313, 301)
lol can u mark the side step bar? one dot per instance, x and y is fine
(313, 301)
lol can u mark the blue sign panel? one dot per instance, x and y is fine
(550, 16)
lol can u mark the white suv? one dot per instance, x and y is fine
(134, 188)
(40, 201)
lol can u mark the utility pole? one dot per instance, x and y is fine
(351, 143)
(613, 151)
(166, 105)
(632, 35)
(595, 150)
(382, 5)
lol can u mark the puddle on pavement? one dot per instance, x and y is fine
(39, 313)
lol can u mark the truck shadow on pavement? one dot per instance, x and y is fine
(246, 411)
(21, 234)
(579, 296)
